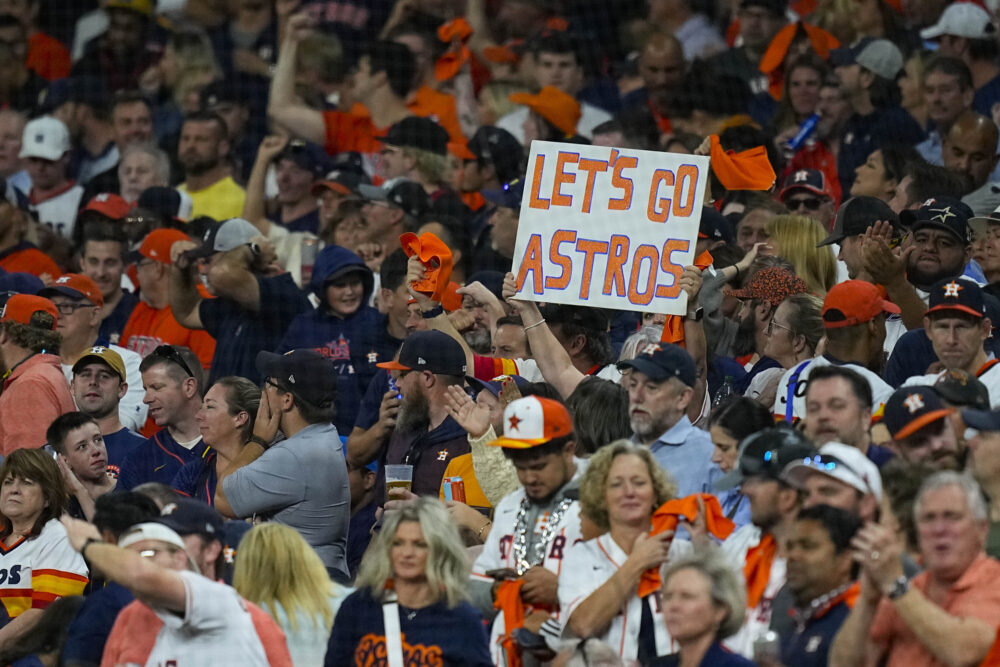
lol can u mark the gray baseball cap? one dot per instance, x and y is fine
(226, 236)
(876, 55)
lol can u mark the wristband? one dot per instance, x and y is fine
(433, 312)
(259, 440)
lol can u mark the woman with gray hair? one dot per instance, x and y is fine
(410, 597)
(142, 166)
(704, 601)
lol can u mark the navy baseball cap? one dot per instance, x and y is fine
(341, 181)
(947, 213)
(509, 196)
(499, 148)
(167, 203)
(715, 226)
(811, 180)
(307, 155)
(911, 408)
(224, 91)
(856, 215)
(420, 133)
(662, 361)
(496, 384)
(959, 294)
(962, 389)
(432, 351)
(406, 195)
(305, 373)
(765, 454)
(187, 516)
(981, 420)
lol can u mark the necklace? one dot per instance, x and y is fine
(522, 559)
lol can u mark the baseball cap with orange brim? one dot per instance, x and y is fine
(555, 106)
(532, 421)
(854, 302)
(959, 295)
(75, 286)
(911, 408)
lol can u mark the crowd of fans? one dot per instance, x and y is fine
(270, 395)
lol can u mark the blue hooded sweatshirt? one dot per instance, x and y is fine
(354, 343)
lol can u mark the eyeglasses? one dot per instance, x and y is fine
(170, 354)
(70, 308)
(772, 324)
(810, 203)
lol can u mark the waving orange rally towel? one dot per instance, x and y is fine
(673, 328)
(747, 170)
(757, 569)
(435, 255)
(455, 32)
(508, 600)
(668, 515)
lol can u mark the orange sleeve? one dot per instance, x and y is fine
(347, 131)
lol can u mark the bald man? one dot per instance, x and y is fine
(661, 67)
(970, 149)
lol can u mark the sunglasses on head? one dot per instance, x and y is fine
(170, 354)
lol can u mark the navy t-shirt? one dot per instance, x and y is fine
(359, 534)
(198, 478)
(157, 460)
(986, 97)
(88, 632)
(242, 333)
(114, 323)
(457, 635)
(810, 646)
(119, 445)
(372, 401)
(863, 134)
(304, 223)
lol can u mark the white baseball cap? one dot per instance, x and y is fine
(45, 138)
(840, 462)
(159, 533)
(961, 19)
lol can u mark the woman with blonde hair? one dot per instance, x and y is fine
(794, 237)
(599, 583)
(411, 596)
(279, 572)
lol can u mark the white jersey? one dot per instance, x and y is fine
(587, 567)
(758, 619)
(36, 571)
(881, 390)
(498, 552)
(131, 410)
(989, 375)
(59, 212)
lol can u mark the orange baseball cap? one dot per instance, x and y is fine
(109, 205)
(75, 286)
(532, 421)
(553, 105)
(25, 308)
(157, 244)
(854, 302)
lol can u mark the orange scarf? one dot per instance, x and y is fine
(508, 600)
(455, 33)
(747, 170)
(772, 62)
(673, 327)
(757, 569)
(435, 255)
(668, 515)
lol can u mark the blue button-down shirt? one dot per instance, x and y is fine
(686, 453)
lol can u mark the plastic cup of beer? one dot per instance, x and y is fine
(398, 476)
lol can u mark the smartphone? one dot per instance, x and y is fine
(502, 574)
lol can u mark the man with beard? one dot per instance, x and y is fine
(970, 149)
(131, 123)
(758, 549)
(83, 459)
(820, 578)
(660, 384)
(202, 151)
(918, 421)
(126, 49)
(661, 68)
(426, 437)
(534, 525)
(957, 326)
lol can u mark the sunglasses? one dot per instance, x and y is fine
(810, 203)
(170, 354)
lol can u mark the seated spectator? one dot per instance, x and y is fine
(344, 329)
(297, 165)
(79, 302)
(202, 151)
(364, 505)
(922, 431)
(103, 253)
(45, 643)
(132, 124)
(619, 491)
(279, 572)
(169, 579)
(841, 476)
(970, 149)
(225, 420)
(27, 332)
(31, 502)
(252, 309)
(882, 172)
(949, 612)
(152, 322)
(125, 50)
(821, 580)
(17, 254)
(807, 192)
(98, 385)
(174, 385)
(300, 481)
(83, 461)
(416, 546)
(54, 197)
(600, 414)
(21, 86)
(142, 166)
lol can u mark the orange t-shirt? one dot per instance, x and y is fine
(439, 107)
(351, 131)
(30, 260)
(47, 57)
(148, 327)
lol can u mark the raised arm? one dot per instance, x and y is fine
(254, 207)
(887, 266)
(694, 339)
(265, 428)
(232, 276)
(284, 107)
(184, 296)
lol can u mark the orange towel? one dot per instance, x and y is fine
(668, 515)
(757, 569)
(508, 600)
(772, 62)
(435, 255)
(451, 300)
(748, 170)
(673, 328)
(455, 33)
(993, 657)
